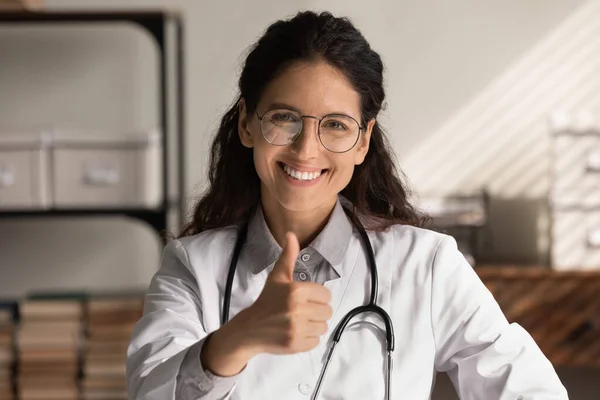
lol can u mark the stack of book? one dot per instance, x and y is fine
(110, 324)
(48, 343)
(6, 350)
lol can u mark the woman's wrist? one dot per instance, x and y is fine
(225, 353)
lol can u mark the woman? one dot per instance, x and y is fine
(299, 147)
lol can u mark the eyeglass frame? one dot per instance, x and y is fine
(360, 128)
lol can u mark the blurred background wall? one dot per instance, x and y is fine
(470, 86)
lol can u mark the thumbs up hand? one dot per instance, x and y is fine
(288, 317)
(283, 271)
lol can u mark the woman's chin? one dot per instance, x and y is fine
(293, 202)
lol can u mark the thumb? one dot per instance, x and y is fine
(284, 267)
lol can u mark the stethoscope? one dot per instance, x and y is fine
(337, 335)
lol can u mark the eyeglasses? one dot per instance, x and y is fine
(338, 133)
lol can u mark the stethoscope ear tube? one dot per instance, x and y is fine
(389, 328)
(231, 274)
(319, 383)
(337, 336)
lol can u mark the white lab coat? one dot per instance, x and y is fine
(444, 319)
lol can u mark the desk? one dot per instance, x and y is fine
(561, 309)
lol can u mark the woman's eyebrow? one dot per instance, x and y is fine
(280, 105)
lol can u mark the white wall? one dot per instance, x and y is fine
(454, 87)
(499, 137)
(468, 82)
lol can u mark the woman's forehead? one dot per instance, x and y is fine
(312, 88)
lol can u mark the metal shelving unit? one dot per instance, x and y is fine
(166, 28)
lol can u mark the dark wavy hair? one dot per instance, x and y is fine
(376, 190)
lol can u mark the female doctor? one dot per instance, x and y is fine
(247, 301)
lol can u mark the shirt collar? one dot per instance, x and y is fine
(331, 243)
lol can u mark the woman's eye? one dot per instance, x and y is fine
(334, 125)
(284, 117)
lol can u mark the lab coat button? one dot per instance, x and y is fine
(304, 388)
(305, 257)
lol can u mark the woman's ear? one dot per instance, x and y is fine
(362, 147)
(244, 124)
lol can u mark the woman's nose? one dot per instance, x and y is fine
(306, 145)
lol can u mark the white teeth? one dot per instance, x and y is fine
(301, 176)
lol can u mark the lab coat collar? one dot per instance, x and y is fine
(332, 242)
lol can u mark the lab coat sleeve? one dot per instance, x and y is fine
(484, 355)
(163, 358)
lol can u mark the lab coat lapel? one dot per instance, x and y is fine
(338, 288)
(315, 358)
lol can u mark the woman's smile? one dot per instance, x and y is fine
(301, 176)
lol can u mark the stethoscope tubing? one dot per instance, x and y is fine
(337, 335)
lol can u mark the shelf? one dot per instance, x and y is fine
(560, 309)
(154, 218)
(151, 20)
(166, 28)
(85, 15)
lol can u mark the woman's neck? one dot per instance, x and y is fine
(305, 224)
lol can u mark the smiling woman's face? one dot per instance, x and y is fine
(304, 175)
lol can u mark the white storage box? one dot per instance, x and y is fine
(576, 239)
(24, 171)
(99, 170)
(576, 171)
